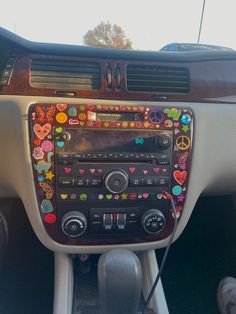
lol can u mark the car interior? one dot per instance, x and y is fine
(117, 178)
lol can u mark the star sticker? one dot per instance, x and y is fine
(124, 196)
(49, 175)
(185, 128)
(180, 198)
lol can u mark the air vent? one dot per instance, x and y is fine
(68, 75)
(157, 79)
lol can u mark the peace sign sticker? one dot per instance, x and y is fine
(183, 142)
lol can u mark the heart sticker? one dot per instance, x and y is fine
(61, 107)
(42, 131)
(145, 172)
(67, 170)
(59, 130)
(180, 176)
(60, 144)
(132, 169)
(92, 170)
(156, 170)
(81, 171)
(99, 170)
(145, 195)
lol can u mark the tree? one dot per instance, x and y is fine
(106, 35)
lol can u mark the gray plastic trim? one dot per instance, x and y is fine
(150, 270)
(63, 284)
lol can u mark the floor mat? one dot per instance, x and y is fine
(204, 254)
(26, 282)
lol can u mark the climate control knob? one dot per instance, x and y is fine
(116, 181)
(153, 221)
(74, 224)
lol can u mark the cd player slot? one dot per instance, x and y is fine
(159, 158)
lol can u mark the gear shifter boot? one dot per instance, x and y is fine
(119, 280)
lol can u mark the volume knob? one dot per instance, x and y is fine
(116, 181)
(74, 224)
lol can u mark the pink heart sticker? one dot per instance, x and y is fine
(92, 170)
(145, 172)
(99, 170)
(145, 195)
(81, 171)
(61, 107)
(67, 170)
(42, 131)
(156, 170)
(132, 169)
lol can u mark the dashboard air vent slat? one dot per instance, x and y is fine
(157, 79)
(65, 75)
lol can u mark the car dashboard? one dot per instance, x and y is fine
(93, 138)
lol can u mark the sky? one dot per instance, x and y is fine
(150, 24)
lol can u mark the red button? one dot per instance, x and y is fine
(50, 218)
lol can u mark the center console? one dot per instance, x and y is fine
(100, 170)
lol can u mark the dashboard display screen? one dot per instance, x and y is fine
(91, 141)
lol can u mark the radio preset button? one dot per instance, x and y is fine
(66, 182)
(136, 181)
(80, 182)
(96, 182)
(162, 181)
(116, 181)
(149, 181)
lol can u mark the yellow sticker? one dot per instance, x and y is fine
(64, 196)
(182, 142)
(82, 116)
(61, 117)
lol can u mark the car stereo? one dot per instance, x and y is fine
(100, 170)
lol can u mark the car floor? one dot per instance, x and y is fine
(203, 254)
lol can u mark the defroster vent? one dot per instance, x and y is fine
(69, 75)
(157, 79)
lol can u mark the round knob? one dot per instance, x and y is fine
(116, 181)
(153, 221)
(74, 224)
(163, 141)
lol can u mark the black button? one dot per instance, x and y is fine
(96, 217)
(6, 73)
(66, 182)
(96, 182)
(163, 159)
(132, 216)
(77, 156)
(64, 159)
(80, 182)
(136, 181)
(162, 181)
(149, 180)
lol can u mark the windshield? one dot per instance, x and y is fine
(146, 25)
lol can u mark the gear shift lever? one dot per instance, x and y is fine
(119, 280)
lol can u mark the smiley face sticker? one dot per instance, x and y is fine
(183, 142)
